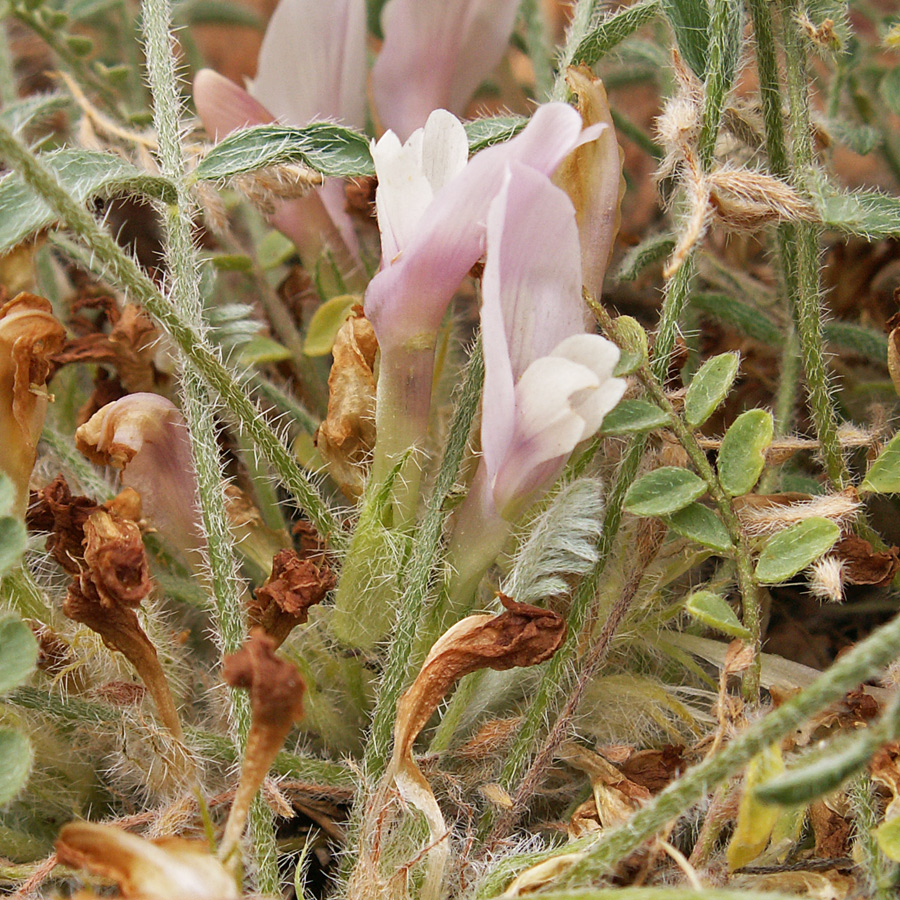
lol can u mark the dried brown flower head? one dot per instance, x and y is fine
(29, 336)
(346, 437)
(298, 581)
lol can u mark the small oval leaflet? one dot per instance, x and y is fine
(710, 387)
(664, 491)
(793, 549)
(701, 524)
(883, 476)
(633, 417)
(742, 456)
(714, 611)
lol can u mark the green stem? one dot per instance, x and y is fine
(8, 91)
(184, 294)
(405, 374)
(808, 299)
(105, 256)
(880, 873)
(854, 667)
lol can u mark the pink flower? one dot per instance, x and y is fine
(547, 385)
(435, 54)
(433, 210)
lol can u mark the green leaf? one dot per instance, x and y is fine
(13, 539)
(819, 775)
(632, 341)
(274, 250)
(883, 476)
(690, 22)
(742, 456)
(647, 252)
(15, 763)
(326, 322)
(869, 214)
(793, 549)
(84, 174)
(486, 132)
(889, 90)
(710, 387)
(232, 262)
(713, 611)
(18, 652)
(261, 349)
(699, 523)
(633, 417)
(861, 139)
(324, 147)
(740, 315)
(664, 491)
(612, 30)
(865, 342)
(29, 110)
(888, 836)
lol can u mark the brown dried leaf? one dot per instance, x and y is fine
(524, 635)
(893, 356)
(863, 565)
(738, 658)
(346, 438)
(832, 831)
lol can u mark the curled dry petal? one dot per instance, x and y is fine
(523, 635)
(29, 336)
(145, 435)
(162, 869)
(592, 177)
(55, 510)
(298, 581)
(346, 438)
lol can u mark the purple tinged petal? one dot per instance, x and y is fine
(409, 296)
(435, 54)
(224, 107)
(312, 64)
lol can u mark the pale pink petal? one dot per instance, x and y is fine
(312, 64)
(435, 54)
(409, 174)
(410, 295)
(224, 107)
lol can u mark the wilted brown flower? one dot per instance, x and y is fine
(29, 335)
(298, 581)
(56, 510)
(346, 437)
(521, 636)
(276, 702)
(163, 869)
(592, 177)
(145, 436)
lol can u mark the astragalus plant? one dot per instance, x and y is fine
(457, 463)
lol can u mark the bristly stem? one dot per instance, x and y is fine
(107, 259)
(808, 298)
(183, 267)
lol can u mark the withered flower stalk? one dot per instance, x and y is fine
(29, 336)
(106, 592)
(276, 702)
(299, 580)
(101, 547)
(521, 636)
